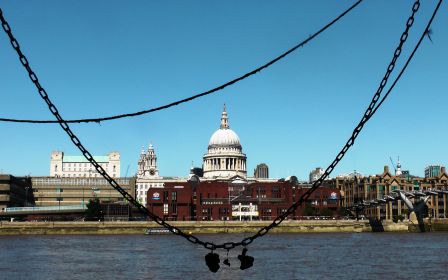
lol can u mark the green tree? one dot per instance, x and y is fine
(308, 210)
(94, 211)
(326, 212)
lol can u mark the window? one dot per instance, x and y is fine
(165, 208)
(165, 197)
(276, 193)
(174, 208)
(261, 192)
(174, 196)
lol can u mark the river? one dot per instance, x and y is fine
(277, 256)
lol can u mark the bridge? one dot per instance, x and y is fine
(43, 210)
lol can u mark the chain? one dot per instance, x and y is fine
(218, 88)
(175, 230)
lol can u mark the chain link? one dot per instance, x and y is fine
(191, 238)
(218, 88)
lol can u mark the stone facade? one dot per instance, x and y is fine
(316, 174)
(62, 165)
(356, 190)
(225, 157)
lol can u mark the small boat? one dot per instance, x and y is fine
(151, 231)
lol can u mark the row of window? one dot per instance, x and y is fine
(80, 164)
(90, 169)
(84, 175)
(151, 185)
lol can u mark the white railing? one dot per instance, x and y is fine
(45, 208)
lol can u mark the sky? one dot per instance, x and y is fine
(101, 58)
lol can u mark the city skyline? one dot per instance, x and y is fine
(98, 59)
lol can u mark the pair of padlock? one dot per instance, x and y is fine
(212, 261)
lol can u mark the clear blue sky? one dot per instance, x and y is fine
(98, 58)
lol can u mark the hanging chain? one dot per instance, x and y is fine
(213, 90)
(175, 230)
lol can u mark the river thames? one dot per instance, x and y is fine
(277, 256)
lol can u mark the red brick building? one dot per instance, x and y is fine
(235, 199)
(222, 191)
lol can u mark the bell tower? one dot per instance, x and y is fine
(147, 163)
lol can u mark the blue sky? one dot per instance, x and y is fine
(109, 57)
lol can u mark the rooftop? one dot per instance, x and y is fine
(83, 159)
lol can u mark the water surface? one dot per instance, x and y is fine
(277, 256)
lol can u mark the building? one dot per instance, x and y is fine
(62, 165)
(147, 174)
(64, 191)
(356, 190)
(433, 171)
(225, 157)
(237, 199)
(261, 171)
(316, 174)
(15, 191)
(147, 163)
(224, 192)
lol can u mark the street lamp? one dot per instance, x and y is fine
(59, 199)
(40, 198)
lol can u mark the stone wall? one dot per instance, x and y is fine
(312, 226)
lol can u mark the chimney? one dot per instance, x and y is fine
(442, 170)
(386, 169)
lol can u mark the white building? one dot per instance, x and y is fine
(147, 164)
(225, 157)
(316, 174)
(147, 174)
(78, 166)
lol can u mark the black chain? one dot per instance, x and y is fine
(175, 230)
(218, 88)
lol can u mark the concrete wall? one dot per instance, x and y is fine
(14, 228)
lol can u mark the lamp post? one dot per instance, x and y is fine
(59, 199)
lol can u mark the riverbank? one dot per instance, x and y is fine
(290, 226)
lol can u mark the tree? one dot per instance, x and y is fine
(326, 212)
(94, 211)
(308, 210)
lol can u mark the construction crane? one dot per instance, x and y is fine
(393, 164)
(397, 167)
(127, 170)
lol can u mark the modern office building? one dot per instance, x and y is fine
(433, 171)
(15, 191)
(261, 171)
(61, 191)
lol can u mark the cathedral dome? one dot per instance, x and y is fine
(225, 157)
(224, 137)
